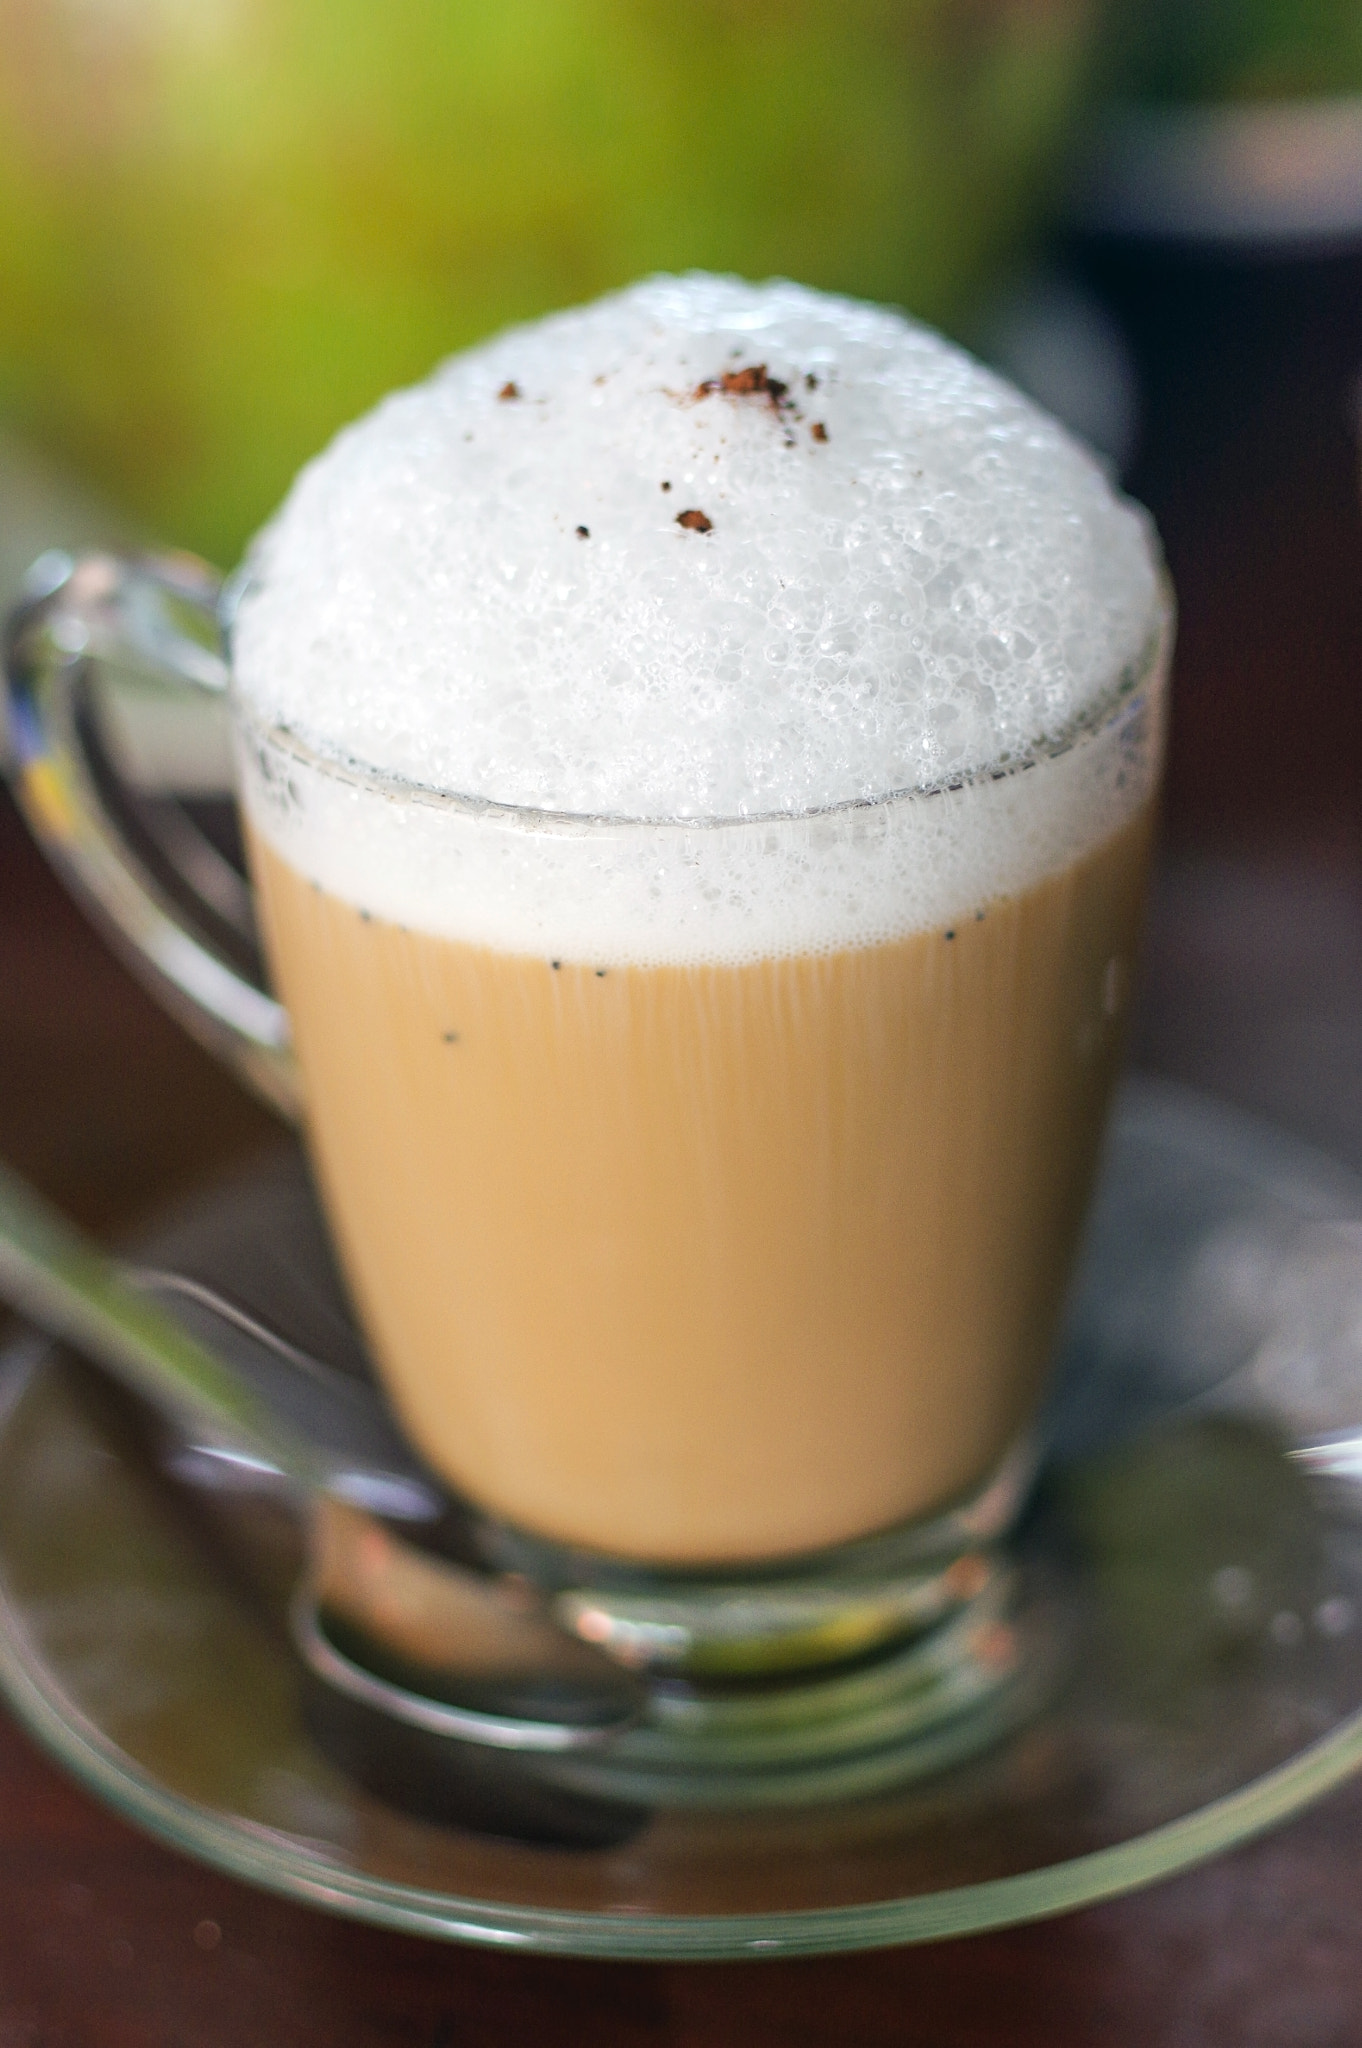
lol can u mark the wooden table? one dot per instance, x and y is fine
(1254, 986)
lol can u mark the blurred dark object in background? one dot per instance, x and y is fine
(1210, 291)
(1242, 314)
(1248, 460)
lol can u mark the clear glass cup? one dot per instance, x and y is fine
(723, 1292)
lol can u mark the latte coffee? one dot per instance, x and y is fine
(698, 758)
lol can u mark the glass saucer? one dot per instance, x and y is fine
(1189, 1588)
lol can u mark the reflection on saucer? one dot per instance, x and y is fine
(1181, 1666)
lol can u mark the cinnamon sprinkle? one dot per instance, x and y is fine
(752, 382)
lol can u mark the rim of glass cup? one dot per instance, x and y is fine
(1104, 711)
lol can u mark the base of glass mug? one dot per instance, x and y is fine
(825, 1677)
(796, 1615)
(846, 1733)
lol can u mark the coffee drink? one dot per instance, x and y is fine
(698, 756)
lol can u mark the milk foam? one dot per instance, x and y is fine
(905, 577)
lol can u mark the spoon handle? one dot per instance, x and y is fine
(60, 1281)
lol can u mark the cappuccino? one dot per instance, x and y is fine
(698, 757)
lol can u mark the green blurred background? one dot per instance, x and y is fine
(226, 226)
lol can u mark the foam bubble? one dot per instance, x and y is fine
(897, 574)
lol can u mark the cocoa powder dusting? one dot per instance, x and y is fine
(695, 521)
(751, 382)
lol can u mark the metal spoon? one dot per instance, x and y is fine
(433, 1644)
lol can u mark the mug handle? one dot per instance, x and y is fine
(175, 909)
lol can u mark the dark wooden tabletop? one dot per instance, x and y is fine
(1253, 986)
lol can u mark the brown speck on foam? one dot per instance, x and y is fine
(752, 382)
(695, 521)
(509, 390)
(583, 533)
(666, 487)
(819, 431)
(810, 381)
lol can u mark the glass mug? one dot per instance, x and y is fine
(723, 1293)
